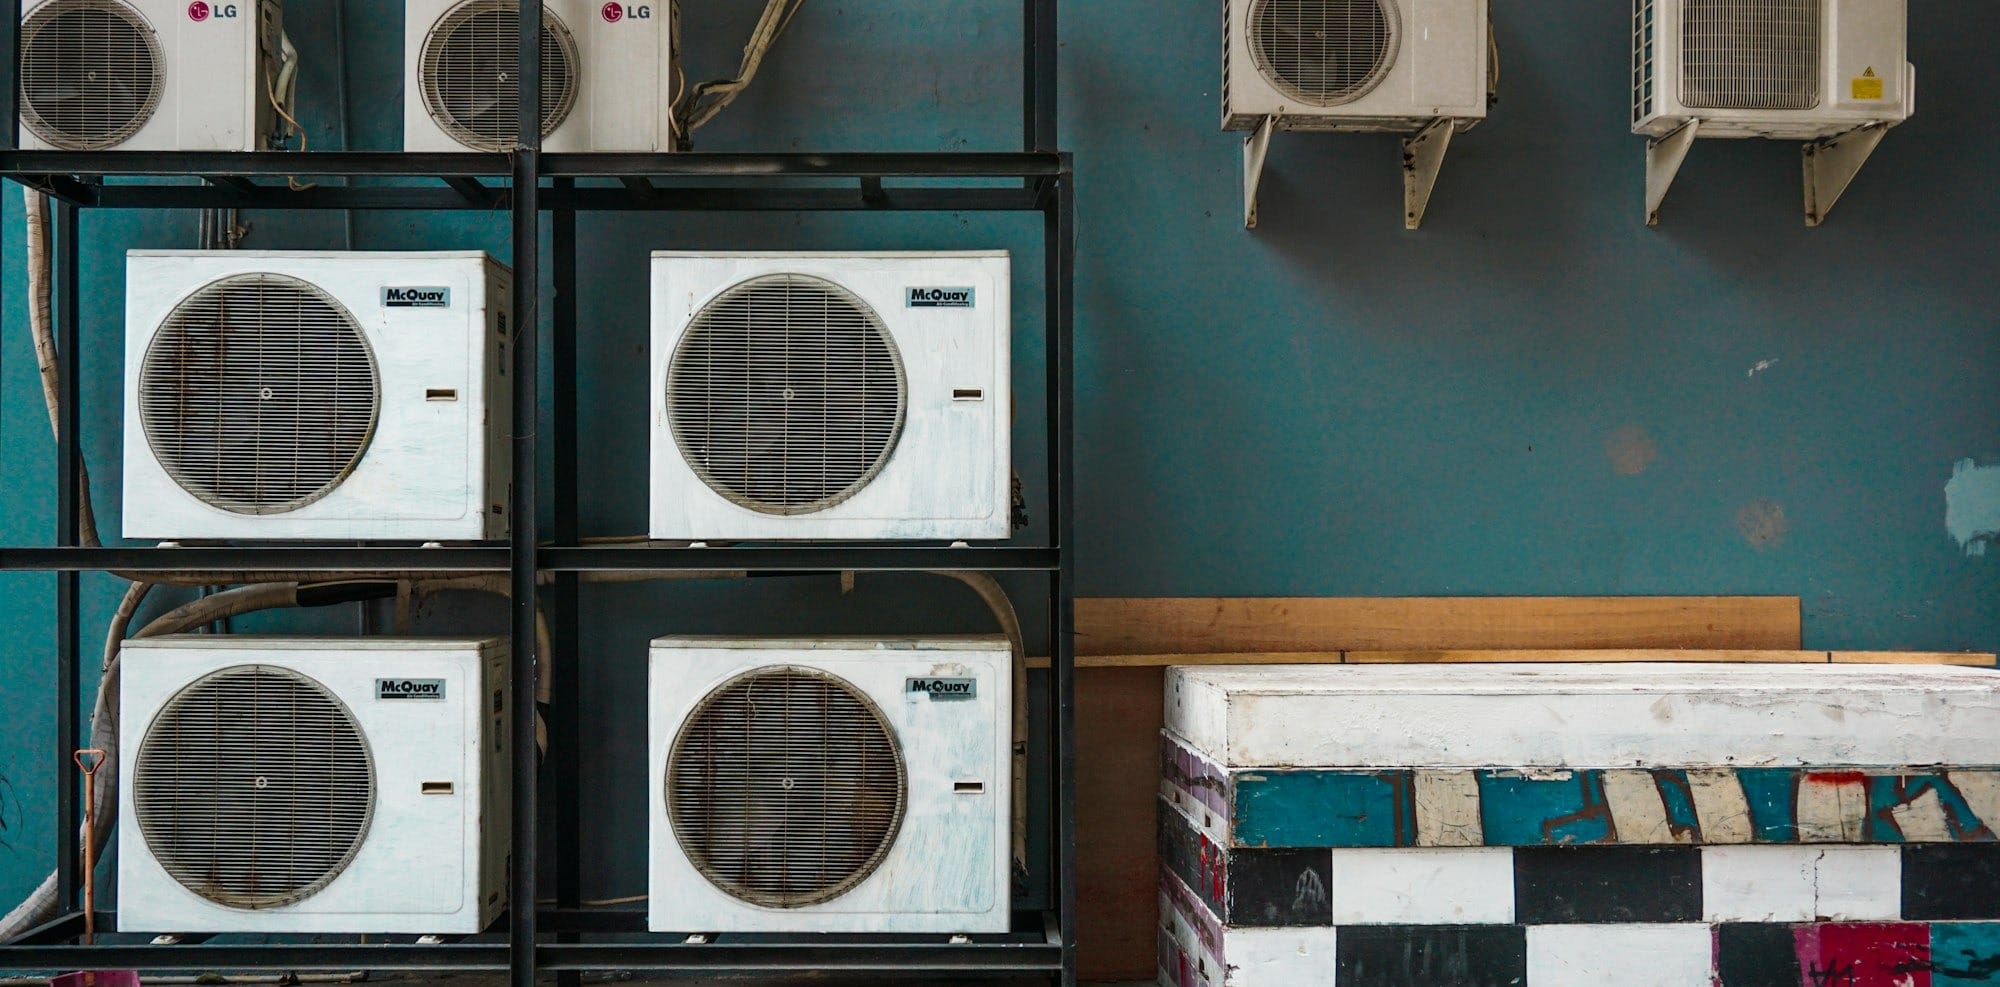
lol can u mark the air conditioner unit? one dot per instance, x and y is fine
(312, 785)
(830, 396)
(607, 75)
(149, 75)
(1413, 67)
(830, 785)
(1833, 73)
(315, 395)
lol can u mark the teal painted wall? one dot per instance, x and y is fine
(1535, 394)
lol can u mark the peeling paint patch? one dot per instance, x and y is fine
(1762, 523)
(1761, 366)
(1972, 505)
(1630, 450)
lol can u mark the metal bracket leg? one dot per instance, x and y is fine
(1255, 148)
(1832, 163)
(1423, 155)
(1663, 161)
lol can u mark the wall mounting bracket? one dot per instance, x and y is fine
(1423, 155)
(1832, 163)
(1255, 148)
(1664, 156)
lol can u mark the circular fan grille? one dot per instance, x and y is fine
(90, 73)
(1324, 52)
(258, 394)
(468, 73)
(785, 787)
(254, 787)
(786, 394)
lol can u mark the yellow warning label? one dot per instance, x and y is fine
(1868, 86)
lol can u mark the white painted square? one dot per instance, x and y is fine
(1279, 957)
(1620, 956)
(1800, 883)
(1423, 886)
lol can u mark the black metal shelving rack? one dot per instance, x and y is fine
(569, 939)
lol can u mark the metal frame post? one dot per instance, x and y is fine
(1060, 251)
(69, 467)
(524, 510)
(565, 718)
(1038, 75)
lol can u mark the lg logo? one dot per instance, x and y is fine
(615, 12)
(201, 10)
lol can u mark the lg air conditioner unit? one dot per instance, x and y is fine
(1420, 68)
(607, 75)
(312, 785)
(830, 785)
(830, 396)
(311, 395)
(1832, 73)
(150, 75)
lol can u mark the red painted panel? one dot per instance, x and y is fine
(1885, 954)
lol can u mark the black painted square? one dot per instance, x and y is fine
(1756, 955)
(1570, 885)
(1280, 887)
(1431, 956)
(1951, 881)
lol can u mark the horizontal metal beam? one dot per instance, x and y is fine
(247, 195)
(920, 164)
(861, 960)
(744, 199)
(799, 558)
(269, 956)
(262, 559)
(275, 164)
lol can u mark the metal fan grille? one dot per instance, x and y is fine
(1750, 54)
(786, 395)
(786, 787)
(254, 787)
(1324, 52)
(258, 394)
(90, 73)
(469, 68)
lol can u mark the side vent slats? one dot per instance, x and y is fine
(1751, 54)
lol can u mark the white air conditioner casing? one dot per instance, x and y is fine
(163, 75)
(943, 705)
(1784, 69)
(620, 99)
(1353, 65)
(406, 787)
(283, 447)
(802, 396)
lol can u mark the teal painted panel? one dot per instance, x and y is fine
(1532, 809)
(1965, 953)
(1323, 809)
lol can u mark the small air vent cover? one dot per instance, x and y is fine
(1324, 52)
(258, 394)
(786, 395)
(90, 73)
(254, 787)
(468, 73)
(1750, 54)
(786, 787)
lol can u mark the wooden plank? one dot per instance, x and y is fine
(1118, 708)
(1913, 658)
(1545, 656)
(1112, 626)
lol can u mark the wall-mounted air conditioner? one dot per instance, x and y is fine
(312, 785)
(830, 785)
(1832, 73)
(1413, 67)
(607, 75)
(150, 75)
(830, 396)
(307, 395)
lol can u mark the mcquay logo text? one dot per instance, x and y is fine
(939, 298)
(942, 689)
(400, 297)
(409, 688)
